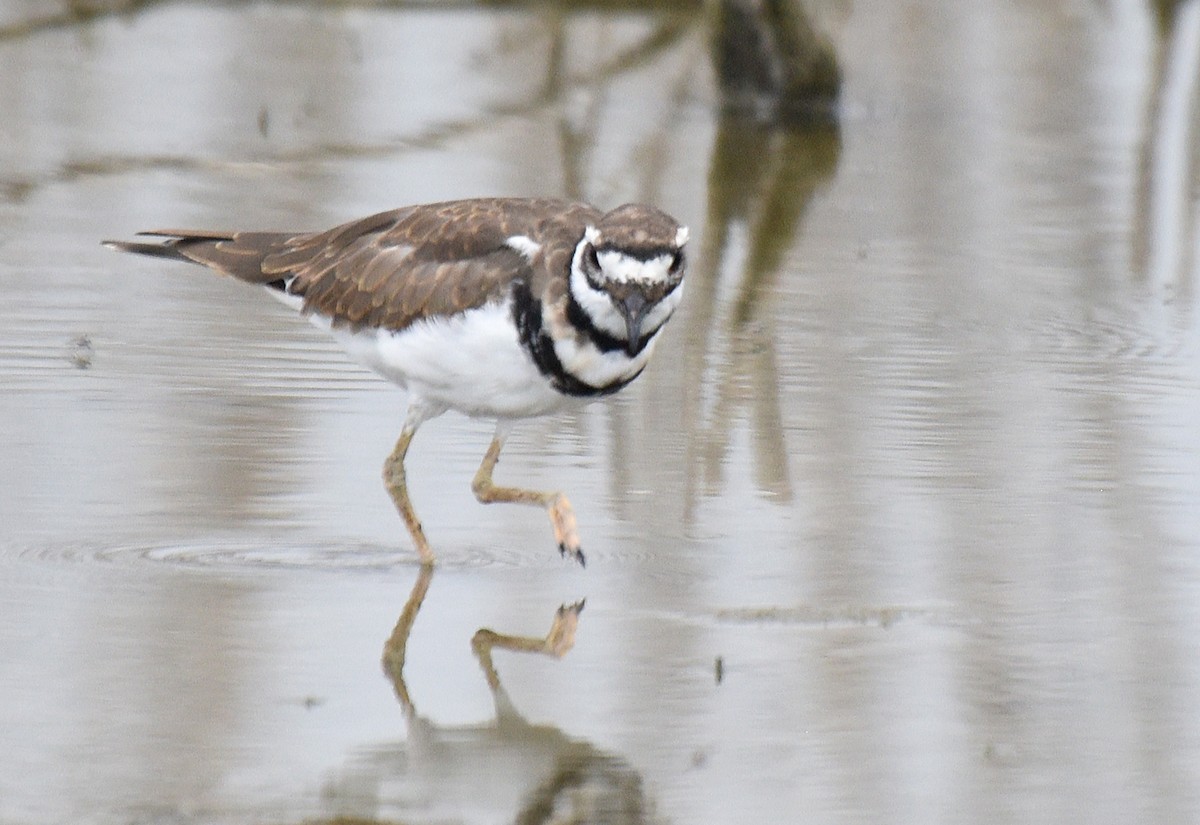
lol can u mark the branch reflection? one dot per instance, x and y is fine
(761, 181)
(1166, 233)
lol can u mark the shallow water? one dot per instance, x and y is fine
(901, 525)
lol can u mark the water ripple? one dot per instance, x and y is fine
(234, 555)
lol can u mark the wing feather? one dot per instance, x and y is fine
(391, 269)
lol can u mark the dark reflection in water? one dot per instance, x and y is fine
(760, 181)
(1167, 228)
(538, 772)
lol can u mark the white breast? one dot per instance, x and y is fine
(471, 362)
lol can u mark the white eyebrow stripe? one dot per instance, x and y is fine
(623, 268)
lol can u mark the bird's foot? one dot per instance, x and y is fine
(566, 533)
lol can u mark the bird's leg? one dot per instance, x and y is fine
(562, 516)
(397, 485)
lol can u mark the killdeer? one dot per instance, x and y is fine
(499, 308)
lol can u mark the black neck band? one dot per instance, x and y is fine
(527, 313)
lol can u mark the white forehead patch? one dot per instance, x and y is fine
(620, 267)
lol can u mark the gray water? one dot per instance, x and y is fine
(902, 525)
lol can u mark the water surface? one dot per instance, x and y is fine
(901, 524)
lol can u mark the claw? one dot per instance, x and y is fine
(576, 553)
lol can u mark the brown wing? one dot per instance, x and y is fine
(393, 268)
(397, 267)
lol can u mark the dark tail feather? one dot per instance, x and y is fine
(156, 250)
(239, 254)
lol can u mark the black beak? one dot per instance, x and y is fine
(634, 307)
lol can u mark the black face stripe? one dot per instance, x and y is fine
(643, 253)
(527, 313)
(603, 341)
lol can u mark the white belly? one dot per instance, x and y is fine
(473, 363)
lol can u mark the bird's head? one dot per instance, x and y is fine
(627, 273)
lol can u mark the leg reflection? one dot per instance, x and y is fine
(396, 647)
(511, 768)
(557, 642)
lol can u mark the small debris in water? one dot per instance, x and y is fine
(719, 669)
(81, 351)
(883, 617)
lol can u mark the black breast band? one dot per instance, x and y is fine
(527, 313)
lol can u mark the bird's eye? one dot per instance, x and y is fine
(591, 258)
(677, 263)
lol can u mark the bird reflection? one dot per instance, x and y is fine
(506, 768)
